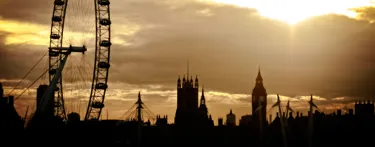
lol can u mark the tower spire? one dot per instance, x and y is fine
(203, 90)
(139, 98)
(259, 78)
(203, 99)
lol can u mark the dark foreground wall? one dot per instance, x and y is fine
(112, 133)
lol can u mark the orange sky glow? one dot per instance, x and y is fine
(294, 11)
(142, 36)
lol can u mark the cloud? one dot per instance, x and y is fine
(30, 11)
(328, 56)
(366, 13)
(158, 100)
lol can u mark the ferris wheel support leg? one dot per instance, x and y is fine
(49, 97)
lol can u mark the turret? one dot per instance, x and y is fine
(183, 80)
(179, 82)
(202, 107)
(196, 82)
(297, 116)
(291, 115)
(203, 99)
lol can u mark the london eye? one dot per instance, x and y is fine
(58, 55)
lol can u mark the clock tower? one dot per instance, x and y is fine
(259, 101)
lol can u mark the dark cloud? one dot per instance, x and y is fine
(319, 55)
(329, 56)
(16, 60)
(30, 11)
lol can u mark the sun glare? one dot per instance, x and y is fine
(294, 11)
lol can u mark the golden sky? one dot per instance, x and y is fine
(294, 11)
(303, 46)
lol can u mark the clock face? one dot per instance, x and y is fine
(262, 98)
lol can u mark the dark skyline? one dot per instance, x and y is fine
(328, 56)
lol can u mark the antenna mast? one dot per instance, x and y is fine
(187, 70)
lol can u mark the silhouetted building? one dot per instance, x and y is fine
(8, 114)
(276, 121)
(203, 112)
(231, 119)
(245, 120)
(188, 113)
(187, 101)
(39, 94)
(220, 121)
(1, 91)
(259, 101)
(74, 117)
(338, 112)
(161, 121)
(351, 112)
(49, 109)
(364, 108)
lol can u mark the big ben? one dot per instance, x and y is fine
(259, 101)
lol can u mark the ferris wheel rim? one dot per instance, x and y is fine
(101, 65)
(102, 60)
(56, 41)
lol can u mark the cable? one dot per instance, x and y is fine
(31, 85)
(27, 73)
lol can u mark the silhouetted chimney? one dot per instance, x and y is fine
(220, 121)
(317, 112)
(178, 82)
(297, 114)
(351, 112)
(284, 114)
(339, 112)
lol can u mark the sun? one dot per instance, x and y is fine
(294, 11)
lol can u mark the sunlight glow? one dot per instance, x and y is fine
(294, 11)
(27, 33)
(34, 34)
